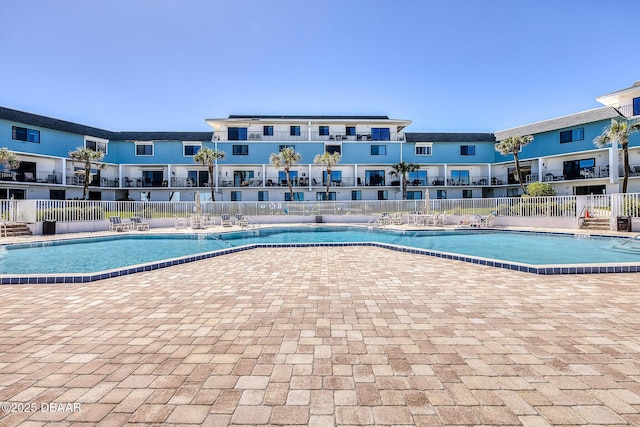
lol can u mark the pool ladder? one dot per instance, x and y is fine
(632, 239)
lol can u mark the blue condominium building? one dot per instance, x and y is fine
(160, 166)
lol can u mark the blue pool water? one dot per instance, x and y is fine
(100, 254)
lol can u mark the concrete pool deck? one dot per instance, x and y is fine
(323, 336)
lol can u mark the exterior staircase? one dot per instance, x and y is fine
(596, 224)
(14, 229)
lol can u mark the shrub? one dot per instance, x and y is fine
(540, 189)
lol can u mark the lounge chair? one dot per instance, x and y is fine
(226, 220)
(116, 224)
(397, 219)
(487, 221)
(138, 224)
(241, 220)
(181, 222)
(208, 221)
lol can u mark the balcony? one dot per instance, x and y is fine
(42, 177)
(255, 136)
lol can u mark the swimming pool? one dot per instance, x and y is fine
(79, 260)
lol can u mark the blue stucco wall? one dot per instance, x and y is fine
(52, 142)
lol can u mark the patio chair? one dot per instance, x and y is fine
(138, 224)
(397, 219)
(181, 222)
(241, 220)
(116, 224)
(208, 221)
(487, 221)
(225, 220)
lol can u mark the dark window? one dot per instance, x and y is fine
(374, 177)
(237, 134)
(323, 130)
(240, 150)
(263, 196)
(24, 134)
(572, 135)
(236, 196)
(297, 197)
(336, 178)
(351, 131)
(636, 106)
(283, 146)
(383, 195)
(197, 178)
(144, 149)
(380, 134)
(441, 194)
(378, 150)
(467, 194)
(320, 196)
(577, 169)
(589, 189)
(94, 195)
(467, 150)
(459, 177)
(333, 149)
(96, 146)
(356, 195)
(414, 195)
(152, 178)
(282, 177)
(56, 194)
(191, 150)
(294, 131)
(267, 130)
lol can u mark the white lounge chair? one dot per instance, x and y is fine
(225, 220)
(116, 224)
(138, 224)
(181, 222)
(241, 220)
(487, 221)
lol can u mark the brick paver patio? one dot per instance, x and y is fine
(323, 336)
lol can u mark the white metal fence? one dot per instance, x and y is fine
(557, 206)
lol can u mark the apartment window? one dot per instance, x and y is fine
(383, 195)
(282, 177)
(323, 130)
(322, 195)
(578, 169)
(56, 195)
(378, 150)
(240, 150)
(333, 149)
(417, 178)
(191, 149)
(237, 134)
(467, 194)
(267, 130)
(236, 196)
(374, 177)
(467, 150)
(152, 178)
(380, 134)
(572, 135)
(24, 134)
(459, 177)
(356, 195)
(414, 195)
(351, 131)
(297, 196)
(96, 145)
(423, 149)
(294, 130)
(263, 196)
(197, 178)
(441, 194)
(336, 177)
(144, 149)
(283, 146)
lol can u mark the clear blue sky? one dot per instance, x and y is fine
(448, 65)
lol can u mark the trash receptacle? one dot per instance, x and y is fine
(319, 219)
(49, 227)
(624, 223)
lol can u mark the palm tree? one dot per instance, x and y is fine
(87, 156)
(208, 157)
(401, 170)
(619, 132)
(513, 145)
(329, 160)
(8, 157)
(286, 158)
